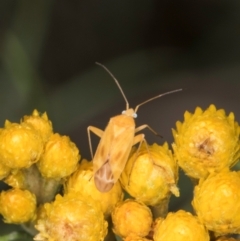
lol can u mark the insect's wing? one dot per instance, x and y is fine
(120, 151)
(103, 178)
(103, 149)
(112, 153)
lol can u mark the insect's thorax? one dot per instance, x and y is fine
(123, 121)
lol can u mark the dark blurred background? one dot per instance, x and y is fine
(48, 51)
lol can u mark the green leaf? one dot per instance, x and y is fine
(16, 236)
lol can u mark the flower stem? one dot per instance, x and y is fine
(161, 209)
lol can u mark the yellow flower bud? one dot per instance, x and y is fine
(82, 181)
(150, 174)
(60, 157)
(17, 206)
(20, 145)
(73, 218)
(131, 217)
(217, 202)
(40, 122)
(180, 226)
(207, 141)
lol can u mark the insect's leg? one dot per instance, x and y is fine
(97, 132)
(141, 128)
(140, 138)
(144, 127)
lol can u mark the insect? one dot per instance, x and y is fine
(116, 142)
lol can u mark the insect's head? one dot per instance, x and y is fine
(130, 112)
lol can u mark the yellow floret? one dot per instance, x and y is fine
(41, 123)
(207, 141)
(150, 174)
(20, 145)
(60, 157)
(71, 218)
(82, 181)
(180, 226)
(17, 206)
(131, 217)
(217, 202)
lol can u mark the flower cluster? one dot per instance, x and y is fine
(36, 162)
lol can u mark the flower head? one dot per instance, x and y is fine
(41, 123)
(217, 202)
(60, 157)
(20, 145)
(131, 217)
(207, 141)
(180, 226)
(82, 181)
(73, 218)
(17, 206)
(150, 174)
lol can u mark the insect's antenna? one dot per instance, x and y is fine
(158, 96)
(120, 88)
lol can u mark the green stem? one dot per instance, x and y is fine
(45, 189)
(161, 210)
(110, 235)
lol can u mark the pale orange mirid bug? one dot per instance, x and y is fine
(116, 142)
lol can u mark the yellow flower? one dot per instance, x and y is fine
(17, 206)
(71, 218)
(82, 181)
(150, 174)
(131, 217)
(20, 145)
(217, 202)
(60, 157)
(207, 141)
(180, 226)
(41, 123)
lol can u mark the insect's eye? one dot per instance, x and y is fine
(134, 115)
(123, 112)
